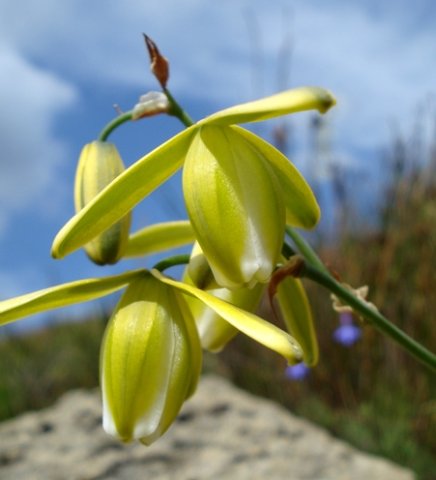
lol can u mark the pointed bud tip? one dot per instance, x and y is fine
(158, 63)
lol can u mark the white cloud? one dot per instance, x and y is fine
(29, 100)
(375, 56)
(378, 61)
(362, 50)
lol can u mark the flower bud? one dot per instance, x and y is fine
(150, 361)
(235, 205)
(99, 164)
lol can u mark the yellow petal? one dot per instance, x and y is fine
(63, 295)
(290, 101)
(159, 237)
(214, 331)
(235, 206)
(302, 209)
(297, 316)
(251, 325)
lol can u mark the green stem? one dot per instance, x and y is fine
(287, 250)
(177, 111)
(373, 316)
(172, 262)
(305, 249)
(113, 124)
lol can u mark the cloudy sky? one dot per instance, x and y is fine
(64, 64)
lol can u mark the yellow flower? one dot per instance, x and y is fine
(234, 202)
(99, 164)
(151, 352)
(239, 190)
(150, 361)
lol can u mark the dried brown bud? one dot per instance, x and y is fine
(159, 65)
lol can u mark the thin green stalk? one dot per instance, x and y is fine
(169, 262)
(373, 316)
(305, 249)
(177, 111)
(287, 250)
(113, 124)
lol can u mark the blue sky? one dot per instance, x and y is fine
(64, 64)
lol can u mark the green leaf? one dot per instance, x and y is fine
(159, 237)
(120, 196)
(253, 326)
(297, 316)
(63, 295)
(302, 209)
(290, 101)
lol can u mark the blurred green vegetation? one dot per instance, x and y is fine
(371, 394)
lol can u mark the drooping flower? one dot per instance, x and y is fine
(99, 164)
(235, 205)
(151, 355)
(239, 190)
(150, 361)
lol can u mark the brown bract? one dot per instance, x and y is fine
(159, 65)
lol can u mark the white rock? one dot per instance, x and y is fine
(223, 433)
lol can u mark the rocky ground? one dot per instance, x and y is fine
(222, 433)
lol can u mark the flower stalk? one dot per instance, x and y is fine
(373, 316)
(113, 124)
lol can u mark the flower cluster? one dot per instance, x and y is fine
(240, 193)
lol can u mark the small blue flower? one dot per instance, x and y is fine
(347, 333)
(297, 372)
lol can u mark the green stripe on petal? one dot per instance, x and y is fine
(63, 295)
(235, 206)
(150, 361)
(119, 197)
(290, 101)
(302, 209)
(159, 237)
(251, 325)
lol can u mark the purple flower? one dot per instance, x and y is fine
(297, 372)
(347, 333)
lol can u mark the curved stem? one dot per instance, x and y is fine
(113, 124)
(373, 316)
(177, 111)
(172, 262)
